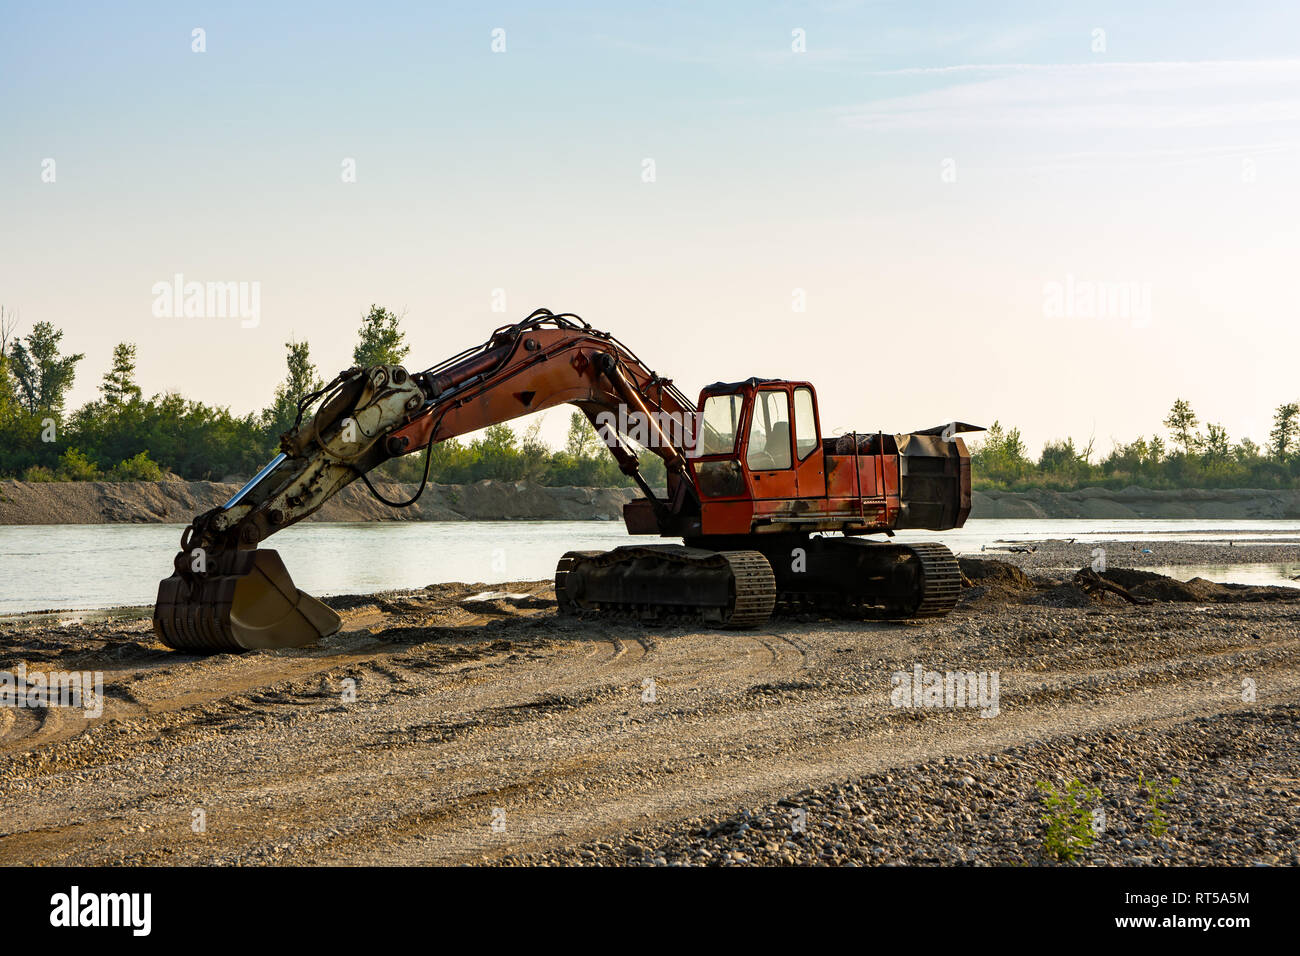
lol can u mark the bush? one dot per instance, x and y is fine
(138, 468)
(75, 466)
(38, 473)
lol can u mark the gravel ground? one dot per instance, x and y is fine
(1057, 554)
(1235, 804)
(443, 725)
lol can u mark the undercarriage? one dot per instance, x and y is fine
(742, 581)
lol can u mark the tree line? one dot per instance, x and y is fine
(123, 436)
(1189, 458)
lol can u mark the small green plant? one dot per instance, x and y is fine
(1158, 794)
(1068, 816)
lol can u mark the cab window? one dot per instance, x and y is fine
(805, 423)
(720, 422)
(769, 432)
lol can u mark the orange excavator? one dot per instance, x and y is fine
(770, 512)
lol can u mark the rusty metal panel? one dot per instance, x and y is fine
(727, 517)
(639, 516)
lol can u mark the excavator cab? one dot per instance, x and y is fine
(762, 466)
(759, 442)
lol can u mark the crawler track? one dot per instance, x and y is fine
(940, 580)
(668, 583)
(845, 577)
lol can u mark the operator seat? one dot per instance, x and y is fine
(778, 445)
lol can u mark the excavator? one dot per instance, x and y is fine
(771, 513)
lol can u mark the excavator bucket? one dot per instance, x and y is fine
(247, 601)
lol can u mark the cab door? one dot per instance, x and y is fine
(810, 462)
(769, 445)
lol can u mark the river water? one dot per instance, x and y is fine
(98, 566)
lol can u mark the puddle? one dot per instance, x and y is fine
(495, 596)
(1277, 575)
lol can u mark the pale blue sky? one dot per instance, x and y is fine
(1168, 161)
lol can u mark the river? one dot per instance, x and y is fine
(107, 565)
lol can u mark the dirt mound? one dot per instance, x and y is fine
(988, 580)
(1129, 585)
(989, 573)
(1158, 587)
(1067, 594)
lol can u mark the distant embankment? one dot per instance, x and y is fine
(100, 502)
(1137, 503)
(176, 502)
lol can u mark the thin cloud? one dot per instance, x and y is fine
(1097, 65)
(1125, 95)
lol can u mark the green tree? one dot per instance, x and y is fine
(1001, 456)
(8, 325)
(119, 385)
(1157, 450)
(9, 406)
(382, 341)
(1283, 436)
(1217, 446)
(8, 389)
(497, 454)
(582, 441)
(301, 380)
(534, 455)
(1059, 456)
(1127, 459)
(1182, 422)
(43, 375)
(1246, 451)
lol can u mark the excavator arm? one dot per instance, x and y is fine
(226, 595)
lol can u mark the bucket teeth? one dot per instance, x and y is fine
(246, 601)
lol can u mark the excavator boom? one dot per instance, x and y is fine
(225, 595)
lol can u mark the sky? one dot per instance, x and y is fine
(1058, 216)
